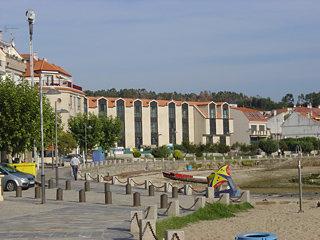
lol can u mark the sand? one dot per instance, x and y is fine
(279, 216)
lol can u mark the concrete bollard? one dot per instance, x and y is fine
(108, 197)
(164, 201)
(135, 216)
(151, 190)
(86, 176)
(68, 185)
(174, 209)
(37, 192)
(18, 191)
(59, 196)
(210, 192)
(152, 212)
(187, 190)
(107, 187)
(175, 234)
(174, 192)
(130, 181)
(50, 184)
(245, 197)
(128, 189)
(147, 183)
(167, 187)
(87, 186)
(99, 177)
(200, 203)
(145, 232)
(115, 180)
(82, 195)
(225, 199)
(136, 199)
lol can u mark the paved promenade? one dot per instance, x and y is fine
(27, 218)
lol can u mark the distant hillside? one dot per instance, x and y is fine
(257, 102)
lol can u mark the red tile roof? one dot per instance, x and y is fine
(145, 102)
(40, 65)
(251, 114)
(313, 113)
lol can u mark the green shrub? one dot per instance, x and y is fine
(199, 153)
(223, 148)
(268, 146)
(177, 154)
(161, 152)
(136, 153)
(247, 163)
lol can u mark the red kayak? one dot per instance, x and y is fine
(185, 177)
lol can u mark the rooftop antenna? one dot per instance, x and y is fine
(9, 29)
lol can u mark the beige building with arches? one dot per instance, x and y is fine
(147, 122)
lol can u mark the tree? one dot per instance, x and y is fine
(20, 118)
(86, 129)
(268, 146)
(111, 128)
(288, 100)
(161, 152)
(66, 143)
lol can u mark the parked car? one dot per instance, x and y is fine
(14, 178)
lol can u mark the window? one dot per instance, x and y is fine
(138, 123)
(261, 128)
(102, 106)
(79, 104)
(121, 116)
(172, 123)
(253, 128)
(212, 110)
(154, 123)
(70, 102)
(185, 122)
(225, 111)
(212, 116)
(85, 105)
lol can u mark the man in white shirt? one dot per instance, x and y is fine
(74, 163)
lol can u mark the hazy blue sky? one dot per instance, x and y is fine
(263, 48)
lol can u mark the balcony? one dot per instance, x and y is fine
(68, 84)
(260, 133)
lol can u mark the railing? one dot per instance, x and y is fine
(260, 133)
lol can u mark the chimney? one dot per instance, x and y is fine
(309, 105)
(35, 56)
(274, 112)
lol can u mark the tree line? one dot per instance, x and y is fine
(256, 102)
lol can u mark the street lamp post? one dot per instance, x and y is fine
(30, 14)
(85, 141)
(298, 150)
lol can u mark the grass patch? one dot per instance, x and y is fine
(209, 212)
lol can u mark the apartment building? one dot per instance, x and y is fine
(302, 122)
(249, 125)
(58, 87)
(148, 122)
(12, 63)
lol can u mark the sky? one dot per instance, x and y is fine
(266, 48)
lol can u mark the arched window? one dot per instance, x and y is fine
(212, 119)
(121, 116)
(185, 122)
(225, 116)
(154, 123)
(172, 123)
(102, 106)
(138, 123)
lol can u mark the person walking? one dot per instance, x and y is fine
(75, 163)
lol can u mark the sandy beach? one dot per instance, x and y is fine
(276, 208)
(278, 216)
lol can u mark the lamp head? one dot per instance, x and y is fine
(30, 15)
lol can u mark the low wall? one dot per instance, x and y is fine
(120, 166)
